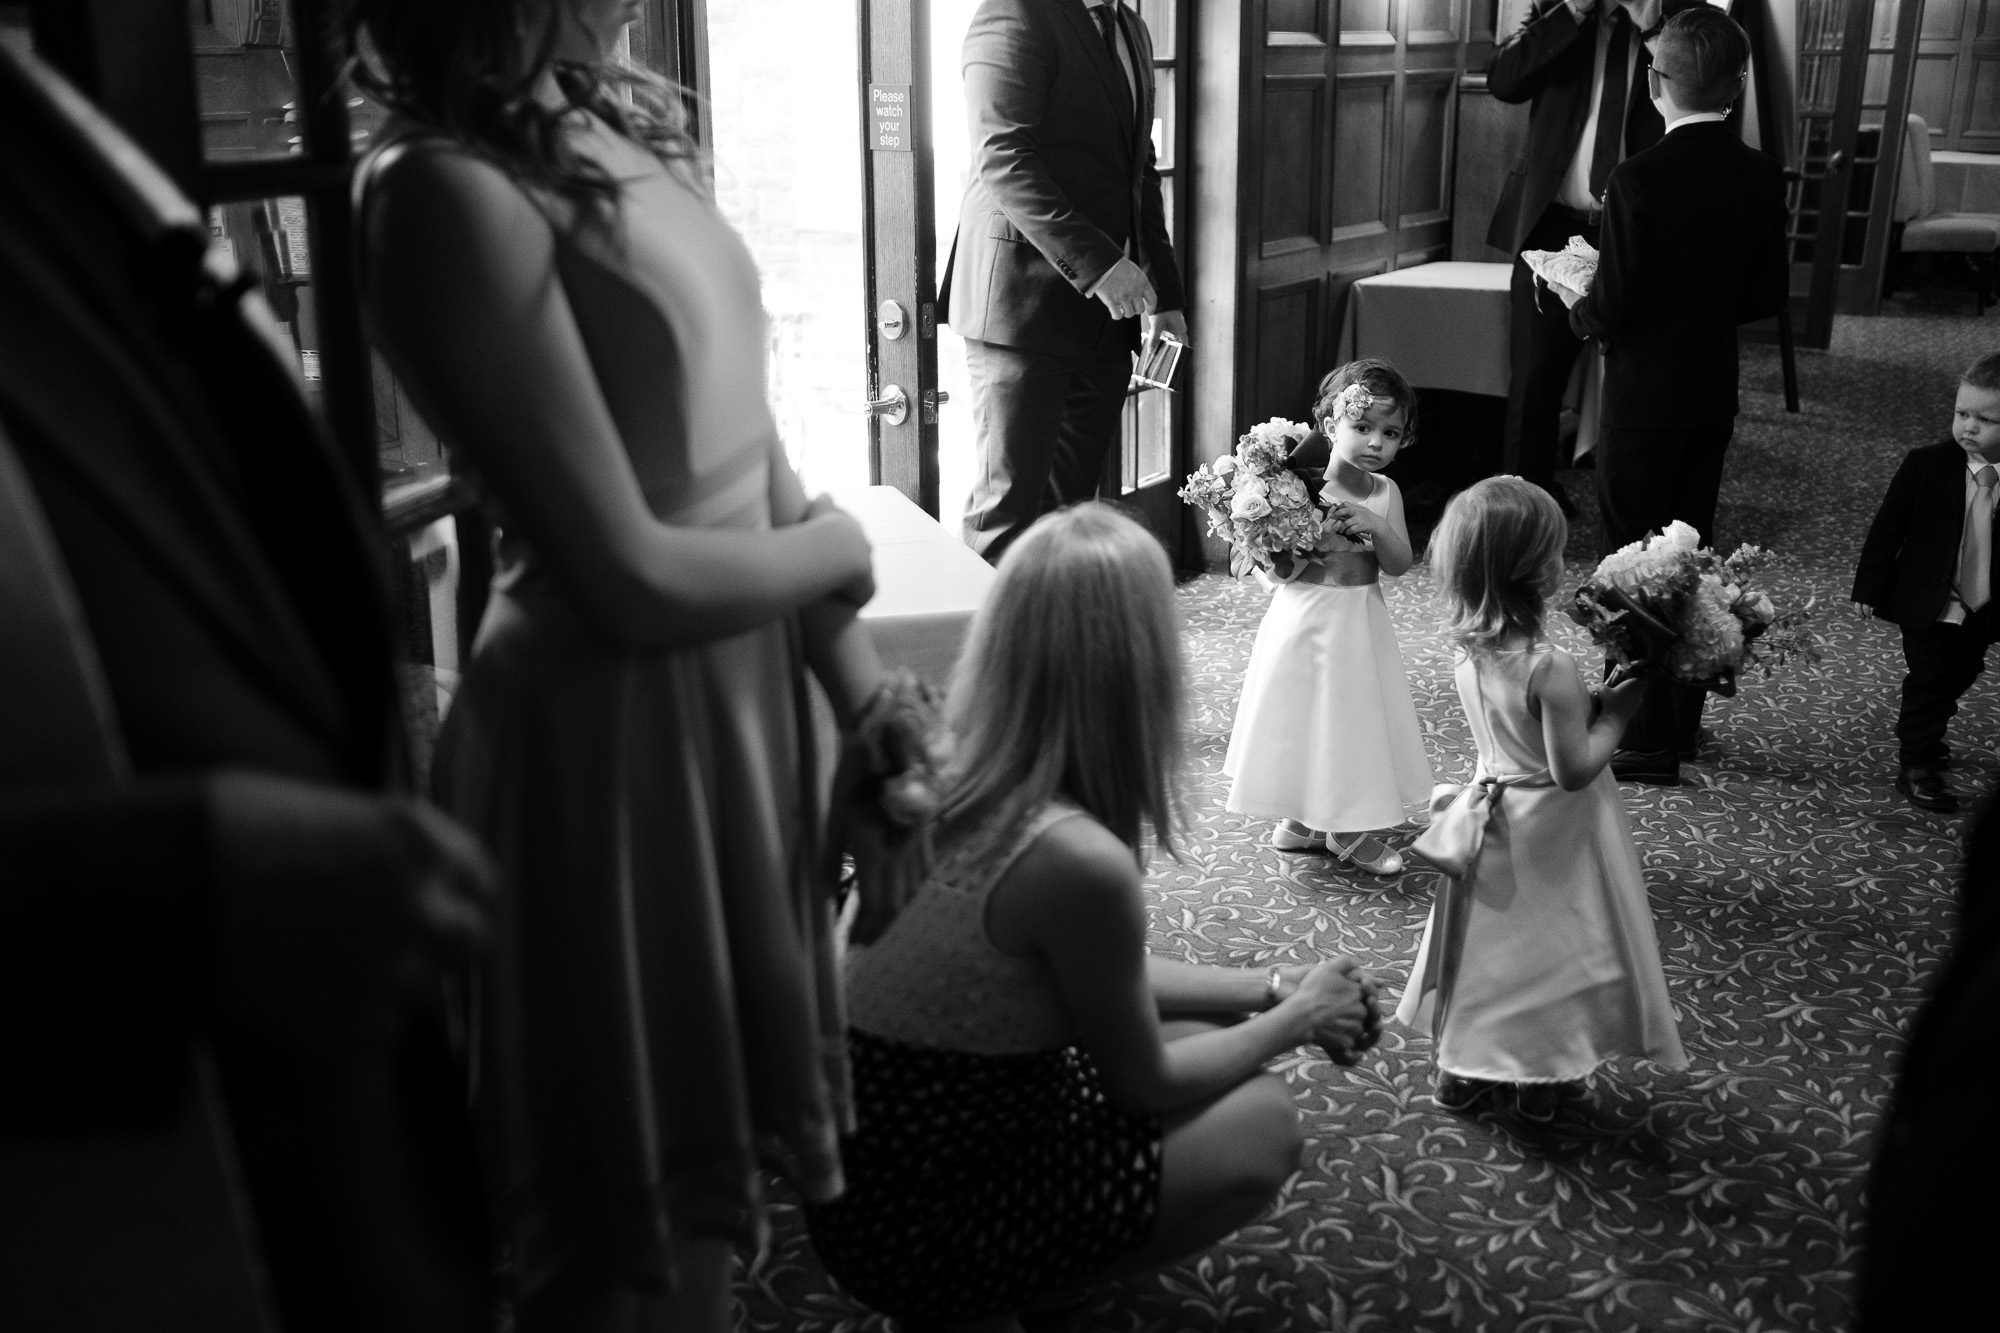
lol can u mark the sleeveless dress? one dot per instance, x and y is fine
(1554, 967)
(663, 1011)
(1325, 732)
(987, 1169)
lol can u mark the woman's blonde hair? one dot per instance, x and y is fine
(1493, 553)
(1070, 685)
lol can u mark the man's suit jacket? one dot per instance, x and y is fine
(1550, 61)
(1693, 245)
(1910, 556)
(1062, 178)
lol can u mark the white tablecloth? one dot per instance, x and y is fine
(1445, 326)
(928, 583)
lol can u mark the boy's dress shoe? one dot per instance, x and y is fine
(1453, 1093)
(1925, 789)
(1658, 768)
(1538, 1101)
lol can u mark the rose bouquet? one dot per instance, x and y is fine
(1670, 603)
(1263, 498)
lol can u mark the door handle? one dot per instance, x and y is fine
(1836, 160)
(893, 406)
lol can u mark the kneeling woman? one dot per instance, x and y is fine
(1031, 1117)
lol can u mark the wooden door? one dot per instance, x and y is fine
(1855, 65)
(901, 247)
(1956, 88)
(1350, 112)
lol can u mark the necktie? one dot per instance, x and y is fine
(1975, 555)
(1107, 27)
(1611, 107)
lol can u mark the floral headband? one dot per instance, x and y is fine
(1352, 403)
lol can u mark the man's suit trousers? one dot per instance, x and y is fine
(1542, 351)
(1942, 660)
(1045, 423)
(1645, 480)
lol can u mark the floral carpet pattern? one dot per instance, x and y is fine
(1803, 911)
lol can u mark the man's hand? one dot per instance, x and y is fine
(1161, 322)
(337, 911)
(1125, 290)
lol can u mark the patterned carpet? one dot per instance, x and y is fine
(1803, 910)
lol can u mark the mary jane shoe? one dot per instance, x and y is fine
(1389, 862)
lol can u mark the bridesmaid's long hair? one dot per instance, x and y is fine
(1497, 555)
(1070, 685)
(470, 68)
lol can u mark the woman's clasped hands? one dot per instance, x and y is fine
(1334, 1005)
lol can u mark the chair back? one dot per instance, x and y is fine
(1916, 182)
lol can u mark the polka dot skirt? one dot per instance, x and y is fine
(978, 1184)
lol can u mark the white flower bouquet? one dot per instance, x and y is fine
(1667, 602)
(1264, 500)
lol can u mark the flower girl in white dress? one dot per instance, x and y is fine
(1326, 740)
(1540, 961)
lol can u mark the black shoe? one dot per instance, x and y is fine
(1460, 1094)
(1925, 789)
(1655, 768)
(1538, 1102)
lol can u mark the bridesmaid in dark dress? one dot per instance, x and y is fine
(554, 286)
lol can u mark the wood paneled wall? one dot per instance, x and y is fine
(1491, 134)
(1325, 138)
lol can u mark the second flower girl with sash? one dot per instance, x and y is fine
(1540, 961)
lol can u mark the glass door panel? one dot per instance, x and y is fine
(788, 176)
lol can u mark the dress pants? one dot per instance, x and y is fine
(1542, 352)
(1943, 661)
(1645, 480)
(1045, 423)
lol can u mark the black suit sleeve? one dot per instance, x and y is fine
(1162, 268)
(1519, 66)
(1770, 284)
(1625, 258)
(1875, 572)
(104, 930)
(1164, 271)
(1010, 65)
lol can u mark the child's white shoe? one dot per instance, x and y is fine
(1366, 852)
(1287, 839)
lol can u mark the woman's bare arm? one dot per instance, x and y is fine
(1074, 899)
(838, 646)
(1578, 744)
(463, 295)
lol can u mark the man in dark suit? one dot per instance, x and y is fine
(1928, 565)
(231, 872)
(1694, 244)
(1061, 247)
(1583, 65)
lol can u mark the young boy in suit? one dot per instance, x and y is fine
(1693, 245)
(1928, 565)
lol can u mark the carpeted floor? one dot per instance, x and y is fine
(1803, 910)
